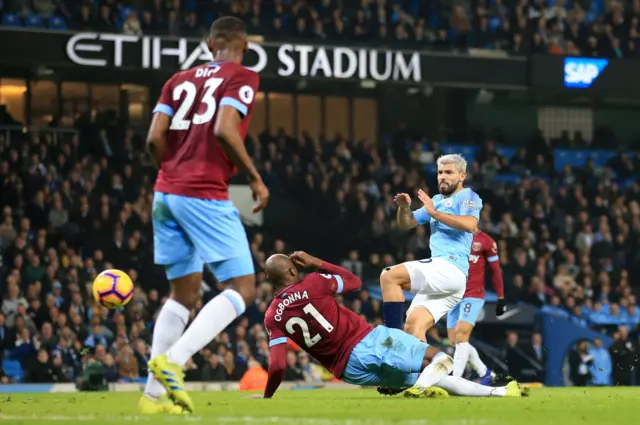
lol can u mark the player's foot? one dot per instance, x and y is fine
(418, 391)
(151, 406)
(488, 378)
(171, 376)
(514, 389)
(436, 392)
(390, 391)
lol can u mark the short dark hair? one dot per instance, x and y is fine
(228, 27)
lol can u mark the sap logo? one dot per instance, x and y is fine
(580, 73)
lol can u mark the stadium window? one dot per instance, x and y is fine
(309, 115)
(138, 104)
(44, 102)
(12, 97)
(280, 112)
(365, 119)
(258, 121)
(337, 113)
(105, 98)
(75, 101)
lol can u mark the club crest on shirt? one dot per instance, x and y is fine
(448, 203)
(476, 246)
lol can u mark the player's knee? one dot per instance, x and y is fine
(246, 287)
(390, 277)
(462, 335)
(417, 327)
(187, 294)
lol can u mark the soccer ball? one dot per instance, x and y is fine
(113, 288)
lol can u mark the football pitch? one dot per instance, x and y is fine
(565, 406)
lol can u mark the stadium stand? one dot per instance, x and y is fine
(594, 28)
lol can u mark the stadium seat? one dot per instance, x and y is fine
(13, 369)
(33, 21)
(190, 5)
(11, 20)
(124, 12)
(469, 152)
(506, 151)
(57, 23)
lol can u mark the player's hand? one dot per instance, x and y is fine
(304, 260)
(402, 200)
(501, 307)
(260, 195)
(427, 202)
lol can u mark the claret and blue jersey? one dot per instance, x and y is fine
(445, 242)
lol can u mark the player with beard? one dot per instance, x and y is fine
(438, 282)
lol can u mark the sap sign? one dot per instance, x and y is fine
(580, 73)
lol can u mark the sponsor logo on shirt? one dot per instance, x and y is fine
(470, 205)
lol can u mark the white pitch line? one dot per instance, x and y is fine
(236, 420)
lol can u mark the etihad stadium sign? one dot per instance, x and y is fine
(147, 52)
(93, 55)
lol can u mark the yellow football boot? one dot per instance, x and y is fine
(171, 376)
(149, 406)
(514, 389)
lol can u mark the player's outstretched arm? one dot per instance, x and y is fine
(226, 130)
(157, 136)
(347, 282)
(277, 368)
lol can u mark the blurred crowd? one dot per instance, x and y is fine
(586, 27)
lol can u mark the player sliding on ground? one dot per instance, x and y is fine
(306, 311)
(462, 319)
(197, 139)
(439, 281)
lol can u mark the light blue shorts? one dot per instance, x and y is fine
(190, 232)
(467, 310)
(387, 357)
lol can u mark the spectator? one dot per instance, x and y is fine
(602, 367)
(623, 357)
(213, 370)
(127, 364)
(293, 372)
(132, 25)
(580, 364)
(43, 371)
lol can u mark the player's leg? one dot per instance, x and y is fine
(216, 231)
(393, 281)
(364, 361)
(438, 286)
(469, 310)
(404, 356)
(487, 375)
(174, 250)
(455, 385)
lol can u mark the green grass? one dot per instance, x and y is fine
(598, 406)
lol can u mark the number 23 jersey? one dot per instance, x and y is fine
(194, 163)
(308, 313)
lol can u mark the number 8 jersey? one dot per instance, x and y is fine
(308, 313)
(194, 162)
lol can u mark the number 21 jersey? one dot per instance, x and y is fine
(308, 313)
(194, 163)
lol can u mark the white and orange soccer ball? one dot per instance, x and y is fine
(113, 288)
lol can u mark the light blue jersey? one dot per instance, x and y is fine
(450, 244)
